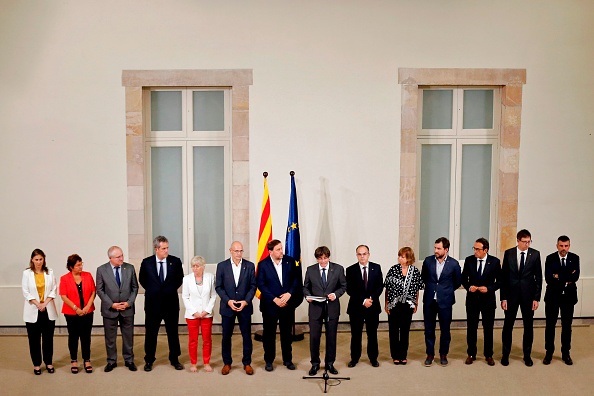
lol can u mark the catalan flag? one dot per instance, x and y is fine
(265, 232)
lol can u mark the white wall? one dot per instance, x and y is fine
(325, 102)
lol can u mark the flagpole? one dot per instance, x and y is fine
(293, 247)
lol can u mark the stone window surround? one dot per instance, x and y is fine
(135, 81)
(511, 82)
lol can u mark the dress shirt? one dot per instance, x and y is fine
(438, 269)
(478, 264)
(164, 267)
(236, 271)
(279, 269)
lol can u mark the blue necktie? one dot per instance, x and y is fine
(118, 281)
(324, 281)
(161, 273)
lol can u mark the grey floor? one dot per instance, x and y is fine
(16, 375)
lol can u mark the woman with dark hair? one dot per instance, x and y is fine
(402, 283)
(77, 289)
(39, 313)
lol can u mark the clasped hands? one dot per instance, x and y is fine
(121, 306)
(233, 306)
(282, 300)
(482, 289)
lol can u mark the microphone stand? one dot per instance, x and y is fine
(325, 376)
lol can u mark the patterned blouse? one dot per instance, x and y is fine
(401, 288)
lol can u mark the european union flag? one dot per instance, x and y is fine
(293, 240)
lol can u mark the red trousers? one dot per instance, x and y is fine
(194, 327)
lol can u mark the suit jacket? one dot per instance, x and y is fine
(356, 288)
(198, 301)
(445, 286)
(490, 278)
(109, 292)
(68, 288)
(559, 290)
(521, 288)
(245, 290)
(157, 296)
(270, 286)
(335, 283)
(30, 292)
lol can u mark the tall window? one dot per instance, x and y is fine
(457, 143)
(189, 170)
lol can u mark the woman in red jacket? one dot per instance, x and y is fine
(77, 290)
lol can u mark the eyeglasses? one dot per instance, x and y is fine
(477, 249)
(526, 242)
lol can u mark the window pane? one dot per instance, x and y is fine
(475, 200)
(166, 184)
(209, 212)
(436, 162)
(209, 111)
(437, 109)
(478, 109)
(166, 111)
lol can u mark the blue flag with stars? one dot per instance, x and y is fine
(293, 240)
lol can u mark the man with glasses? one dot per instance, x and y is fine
(480, 278)
(521, 286)
(562, 271)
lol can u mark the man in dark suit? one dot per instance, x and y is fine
(279, 281)
(365, 284)
(161, 275)
(562, 271)
(324, 279)
(117, 287)
(480, 278)
(236, 286)
(521, 286)
(442, 276)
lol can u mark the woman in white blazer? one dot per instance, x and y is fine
(198, 294)
(39, 312)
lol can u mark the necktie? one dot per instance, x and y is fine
(162, 274)
(324, 281)
(365, 276)
(118, 281)
(522, 262)
(480, 269)
(563, 262)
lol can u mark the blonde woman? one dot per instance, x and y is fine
(198, 294)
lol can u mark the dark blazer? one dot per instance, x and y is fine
(159, 296)
(521, 288)
(109, 292)
(356, 288)
(560, 290)
(226, 289)
(490, 278)
(445, 286)
(270, 286)
(335, 283)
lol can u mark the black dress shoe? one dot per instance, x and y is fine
(505, 361)
(528, 362)
(375, 363)
(428, 361)
(177, 365)
(289, 365)
(314, 369)
(547, 359)
(268, 367)
(352, 364)
(131, 366)
(330, 368)
(567, 360)
(110, 367)
(148, 367)
(443, 360)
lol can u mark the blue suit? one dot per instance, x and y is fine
(438, 299)
(271, 287)
(243, 291)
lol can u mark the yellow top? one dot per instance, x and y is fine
(40, 283)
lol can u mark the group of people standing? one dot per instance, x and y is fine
(279, 282)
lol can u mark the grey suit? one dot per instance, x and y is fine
(109, 292)
(328, 311)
